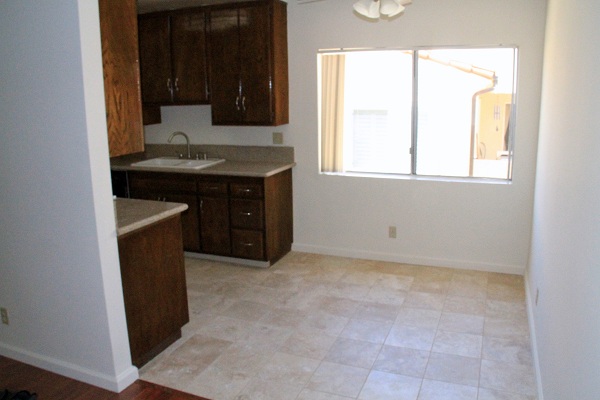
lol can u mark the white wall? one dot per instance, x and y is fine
(565, 253)
(439, 223)
(59, 266)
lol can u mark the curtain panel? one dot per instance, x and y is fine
(332, 112)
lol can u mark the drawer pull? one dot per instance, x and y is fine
(246, 214)
(246, 244)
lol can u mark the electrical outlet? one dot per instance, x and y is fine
(392, 232)
(537, 295)
(277, 137)
(4, 315)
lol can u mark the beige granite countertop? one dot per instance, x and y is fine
(132, 214)
(231, 168)
(249, 161)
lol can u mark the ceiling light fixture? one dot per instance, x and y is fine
(374, 9)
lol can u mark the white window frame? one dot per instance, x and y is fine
(414, 123)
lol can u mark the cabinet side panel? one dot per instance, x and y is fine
(280, 63)
(154, 286)
(279, 215)
(118, 27)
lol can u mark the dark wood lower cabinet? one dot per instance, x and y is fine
(248, 244)
(214, 225)
(232, 216)
(154, 287)
(189, 218)
(175, 188)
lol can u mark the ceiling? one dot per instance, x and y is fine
(145, 6)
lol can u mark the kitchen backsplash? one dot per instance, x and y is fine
(228, 152)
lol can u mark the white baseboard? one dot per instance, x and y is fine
(408, 259)
(113, 383)
(532, 333)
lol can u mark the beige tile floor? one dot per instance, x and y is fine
(320, 327)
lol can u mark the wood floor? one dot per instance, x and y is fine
(16, 376)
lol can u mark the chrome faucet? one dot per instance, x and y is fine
(187, 140)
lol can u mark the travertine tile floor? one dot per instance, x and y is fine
(320, 327)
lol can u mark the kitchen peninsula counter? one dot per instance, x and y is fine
(134, 214)
(152, 273)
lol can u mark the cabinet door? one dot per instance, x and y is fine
(188, 54)
(176, 188)
(255, 64)
(224, 67)
(189, 218)
(118, 27)
(214, 225)
(155, 59)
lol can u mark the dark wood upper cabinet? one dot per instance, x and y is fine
(155, 58)
(118, 28)
(188, 35)
(173, 58)
(248, 63)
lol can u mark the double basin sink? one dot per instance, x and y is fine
(177, 163)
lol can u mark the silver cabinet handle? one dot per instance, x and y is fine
(247, 214)
(177, 84)
(244, 103)
(247, 244)
(237, 103)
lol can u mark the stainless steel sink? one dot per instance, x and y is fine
(177, 163)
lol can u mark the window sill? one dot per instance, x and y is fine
(427, 178)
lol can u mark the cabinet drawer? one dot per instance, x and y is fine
(247, 214)
(166, 182)
(210, 187)
(251, 190)
(247, 244)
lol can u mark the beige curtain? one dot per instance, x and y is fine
(332, 112)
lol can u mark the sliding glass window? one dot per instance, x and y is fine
(427, 112)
